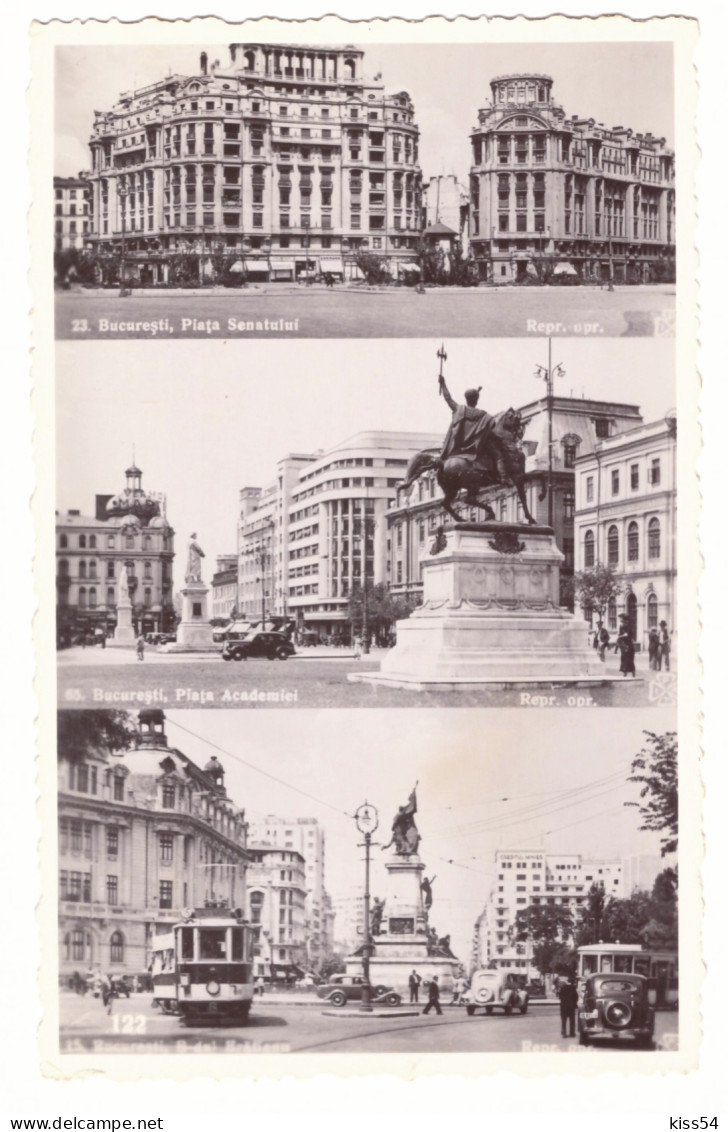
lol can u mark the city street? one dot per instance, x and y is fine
(281, 1026)
(114, 678)
(353, 312)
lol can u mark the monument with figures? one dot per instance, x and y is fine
(490, 613)
(401, 933)
(124, 634)
(194, 632)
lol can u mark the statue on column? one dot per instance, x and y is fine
(123, 586)
(195, 554)
(405, 836)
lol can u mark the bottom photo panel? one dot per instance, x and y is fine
(365, 883)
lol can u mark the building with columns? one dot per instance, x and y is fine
(554, 195)
(277, 910)
(127, 529)
(320, 530)
(143, 833)
(285, 161)
(626, 517)
(224, 587)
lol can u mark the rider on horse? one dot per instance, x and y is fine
(472, 431)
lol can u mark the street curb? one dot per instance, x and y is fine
(342, 1012)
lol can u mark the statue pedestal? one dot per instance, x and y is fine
(124, 635)
(402, 943)
(491, 616)
(194, 632)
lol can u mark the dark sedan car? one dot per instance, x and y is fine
(268, 644)
(349, 988)
(616, 1008)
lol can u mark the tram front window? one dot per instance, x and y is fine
(213, 944)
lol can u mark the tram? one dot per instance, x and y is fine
(203, 968)
(658, 967)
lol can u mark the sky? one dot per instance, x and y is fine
(564, 793)
(203, 419)
(618, 84)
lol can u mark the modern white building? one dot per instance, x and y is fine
(224, 586)
(525, 877)
(305, 837)
(626, 517)
(320, 530)
(276, 907)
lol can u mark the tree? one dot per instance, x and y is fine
(83, 733)
(549, 927)
(382, 609)
(590, 916)
(332, 964)
(655, 768)
(596, 587)
(373, 267)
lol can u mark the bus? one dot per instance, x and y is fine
(659, 967)
(203, 969)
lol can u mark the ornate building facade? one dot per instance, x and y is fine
(554, 195)
(72, 219)
(288, 161)
(277, 909)
(129, 529)
(143, 834)
(626, 517)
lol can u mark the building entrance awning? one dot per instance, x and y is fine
(334, 265)
(257, 267)
(283, 265)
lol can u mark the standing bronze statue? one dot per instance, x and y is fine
(479, 451)
(405, 836)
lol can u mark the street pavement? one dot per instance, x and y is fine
(278, 1026)
(114, 678)
(359, 312)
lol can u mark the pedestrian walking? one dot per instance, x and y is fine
(625, 647)
(259, 985)
(458, 990)
(568, 999)
(602, 640)
(107, 992)
(665, 645)
(140, 647)
(433, 996)
(654, 650)
(414, 986)
(357, 648)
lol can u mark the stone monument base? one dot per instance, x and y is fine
(124, 636)
(491, 616)
(194, 632)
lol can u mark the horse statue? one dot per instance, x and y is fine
(496, 459)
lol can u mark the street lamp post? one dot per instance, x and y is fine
(367, 822)
(548, 376)
(123, 289)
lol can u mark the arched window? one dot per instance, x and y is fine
(148, 596)
(256, 906)
(110, 595)
(92, 569)
(130, 542)
(147, 542)
(116, 947)
(63, 541)
(589, 548)
(652, 611)
(148, 570)
(613, 546)
(249, 58)
(82, 598)
(92, 542)
(63, 568)
(82, 541)
(92, 597)
(633, 542)
(653, 538)
(349, 69)
(612, 613)
(82, 569)
(111, 542)
(77, 946)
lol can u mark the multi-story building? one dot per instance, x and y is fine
(129, 529)
(524, 878)
(320, 531)
(72, 212)
(626, 516)
(288, 160)
(349, 921)
(306, 837)
(276, 907)
(445, 201)
(577, 424)
(551, 194)
(143, 834)
(224, 587)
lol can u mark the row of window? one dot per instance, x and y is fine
(82, 567)
(89, 598)
(654, 478)
(654, 543)
(78, 946)
(88, 542)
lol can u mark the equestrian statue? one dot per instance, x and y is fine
(480, 451)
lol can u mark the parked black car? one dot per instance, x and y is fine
(273, 646)
(616, 1007)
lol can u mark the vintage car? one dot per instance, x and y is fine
(349, 988)
(496, 990)
(257, 643)
(615, 1007)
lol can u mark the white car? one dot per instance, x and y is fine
(495, 990)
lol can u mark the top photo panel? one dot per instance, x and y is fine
(312, 190)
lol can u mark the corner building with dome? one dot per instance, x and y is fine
(128, 529)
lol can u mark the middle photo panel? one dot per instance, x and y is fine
(370, 524)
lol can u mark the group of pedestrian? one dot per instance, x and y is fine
(433, 991)
(658, 648)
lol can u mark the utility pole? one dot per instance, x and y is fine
(548, 375)
(367, 821)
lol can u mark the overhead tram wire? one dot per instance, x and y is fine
(259, 770)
